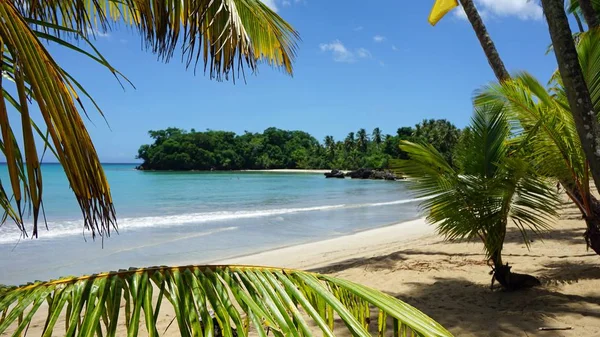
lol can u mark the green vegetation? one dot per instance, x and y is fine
(492, 181)
(281, 302)
(176, 149)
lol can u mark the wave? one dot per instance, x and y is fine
(75, 227)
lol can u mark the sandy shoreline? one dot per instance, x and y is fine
(320, 253)
(449, 281)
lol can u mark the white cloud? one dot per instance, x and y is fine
(339, 51)
(381, 63)
(342, 54)
(378, 38)
(394, 48)
(459, 12)
(522, 9)
(363, 53)
(271, 4)
(359, 28)
(286, 3)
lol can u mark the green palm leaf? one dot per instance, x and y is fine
(490, 183)
(205, 299)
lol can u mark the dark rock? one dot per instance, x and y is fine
(335, 174)
(371, 174)
(360, 174)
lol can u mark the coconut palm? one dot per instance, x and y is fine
(206, 301)
(546, 117)
(329, 143)
(552, 140)
(362, 140)
(377, 136)
(489, 184)
(349, 142)
(575, 86)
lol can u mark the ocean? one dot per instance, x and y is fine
(174, 218)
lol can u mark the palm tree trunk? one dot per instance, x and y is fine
(577, 91)
(590, 209)
(486, 42)
(589, 13)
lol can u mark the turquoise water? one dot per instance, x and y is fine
(196, 217)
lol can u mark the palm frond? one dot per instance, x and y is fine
(36, 75)
(492, 182)
(234, 300)
(225, 34)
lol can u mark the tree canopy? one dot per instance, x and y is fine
(177, 149)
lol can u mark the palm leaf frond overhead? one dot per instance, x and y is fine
(235, 300)
(224, 34)
(227, 35)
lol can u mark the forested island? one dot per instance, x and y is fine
(177, 149)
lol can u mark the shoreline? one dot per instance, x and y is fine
(320, 253)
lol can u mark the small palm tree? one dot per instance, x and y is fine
(545, 116)
(489, 185)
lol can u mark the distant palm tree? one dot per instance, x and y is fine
(377, 137)
(329, 143)
(490, 184)
(362, 140)
(349, 142)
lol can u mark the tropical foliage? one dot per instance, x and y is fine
(544, 116)
(209, 301)
(176, 149)
(492, 182)
(225, 35)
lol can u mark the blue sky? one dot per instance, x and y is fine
(358, 66)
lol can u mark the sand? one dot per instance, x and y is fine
(449, 281)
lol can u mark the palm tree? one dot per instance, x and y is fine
(349, 142)
(490, 184)
(329, 143)
(546, 116)
(486, 42)
(554, 145)
(207, 300)
(226, 35)
(377, 136)
(576, 89)
(362, 140)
